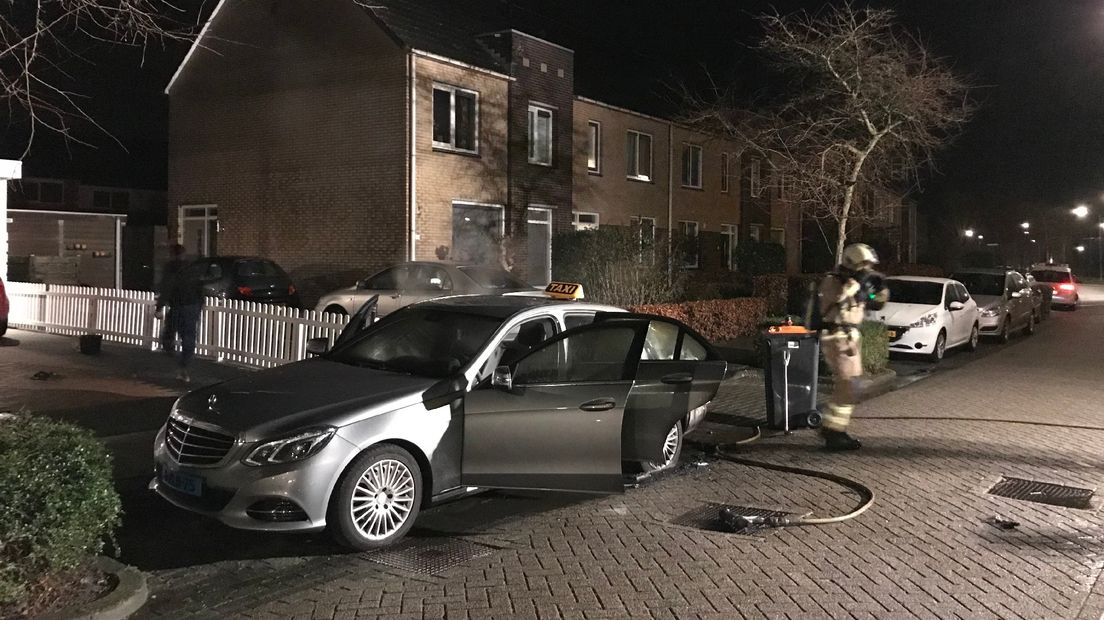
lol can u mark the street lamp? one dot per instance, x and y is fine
(1080, 248)
(969, 232)
(1080, 211)
(1025, 225)
(981, 237)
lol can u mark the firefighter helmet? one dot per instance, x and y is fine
(859, 256)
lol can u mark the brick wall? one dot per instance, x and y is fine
(292, 121)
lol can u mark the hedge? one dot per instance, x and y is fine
(774, 288)
(715, 319)
(59, 504)
(875, 347)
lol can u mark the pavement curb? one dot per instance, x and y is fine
(871, 387)
(129, 595)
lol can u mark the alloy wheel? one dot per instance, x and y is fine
(670, 446)
(974, 337)
(383, 499)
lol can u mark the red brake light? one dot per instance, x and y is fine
(1066, 287)
(245, 291)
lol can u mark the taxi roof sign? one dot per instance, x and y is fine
(564, 290)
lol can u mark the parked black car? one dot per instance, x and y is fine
(247, 278)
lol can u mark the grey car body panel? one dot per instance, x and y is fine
(654, 406)
(285, 399)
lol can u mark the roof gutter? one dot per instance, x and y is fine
(195, 44)
(412, 148)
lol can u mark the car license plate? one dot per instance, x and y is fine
(185, 483)
(891, 333)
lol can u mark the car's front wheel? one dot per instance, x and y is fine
(672, 450)
(1029, 329)
(1006, 330)
(940, 348)
(378, 498)
(336, 309)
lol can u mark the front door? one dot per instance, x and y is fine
(539, 234)
(559, 427)
(197, 230)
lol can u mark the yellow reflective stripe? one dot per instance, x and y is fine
(838, 417)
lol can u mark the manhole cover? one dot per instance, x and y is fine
(1043, 492)
(708, 516)
(429, 556)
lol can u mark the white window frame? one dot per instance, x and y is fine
(594, 147)
(755, 182)
(206, 213)
(732, 233)
(688, 166)
(755, 232)
(726, 163)
(684, 226)
(578, 224)
(638, 221)
(543, 218)
(534, 115)
(636, 148)
(451, 144)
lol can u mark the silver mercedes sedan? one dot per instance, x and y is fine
(435, 401)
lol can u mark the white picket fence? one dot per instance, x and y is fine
(240, 332)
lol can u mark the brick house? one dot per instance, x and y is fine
(337, 138)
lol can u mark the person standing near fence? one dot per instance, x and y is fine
(182, 291)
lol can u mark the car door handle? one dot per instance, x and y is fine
(396, 296)
(678, 378)
(599, 404)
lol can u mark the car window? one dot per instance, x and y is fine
(961, 292)
(981, 283)
(660, 342)
(1051, 275)
(913, 292)
(1017, 281)
(420, 341)
(386, 280)
(592, 355)
(517, 342)
(492, 277)
(212, 272)
(428, 278)
(256, 268)
(571, 321)
(692, 348)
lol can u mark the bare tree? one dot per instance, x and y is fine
(41, 48)
(864, 108)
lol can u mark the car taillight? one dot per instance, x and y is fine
(245, 291)
(1066, 287)
(291, 289)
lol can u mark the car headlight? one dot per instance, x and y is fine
(925, 321)
(990, 312)
(290, 449)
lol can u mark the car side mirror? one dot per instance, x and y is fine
(318, 346)
(502, 379)
(955, 306)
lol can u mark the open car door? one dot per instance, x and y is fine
(552, 421)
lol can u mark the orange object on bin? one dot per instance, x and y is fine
(788, 329)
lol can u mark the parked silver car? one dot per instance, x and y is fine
(433, 402)
(1062, 282)
(1004, 300)
(408, 283)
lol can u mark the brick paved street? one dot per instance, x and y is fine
(923, 550)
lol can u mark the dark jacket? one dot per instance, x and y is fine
(180, 285)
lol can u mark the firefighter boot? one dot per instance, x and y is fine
(836, 441)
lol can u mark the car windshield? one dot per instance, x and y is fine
(254, 268)
(982, 283)
(1049, 275)
(491, 277)
(426, 342)
(910, 292)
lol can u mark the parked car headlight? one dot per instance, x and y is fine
(290, 449)
(925, 321)
(990, 312)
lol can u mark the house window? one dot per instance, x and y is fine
(645, 234)
(691, 166)
(540, 135)
(594, 147)
(755, 180)
(785, 187)
(755, 232)
(455, 118)
(584, 220)
(639, 156)
(724, 173)
(730, 234)
(690, 250)
(778, 235)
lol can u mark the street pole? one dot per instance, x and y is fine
(1100, 247)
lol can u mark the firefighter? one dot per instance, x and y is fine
(844, 295)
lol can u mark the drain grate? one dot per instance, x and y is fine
(429, 556)
(708, 517)
(1043, 492)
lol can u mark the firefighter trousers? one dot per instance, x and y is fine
(843, 353)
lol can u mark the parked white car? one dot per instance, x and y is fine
(927, 316)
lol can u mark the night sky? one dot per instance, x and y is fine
(1036, 142)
